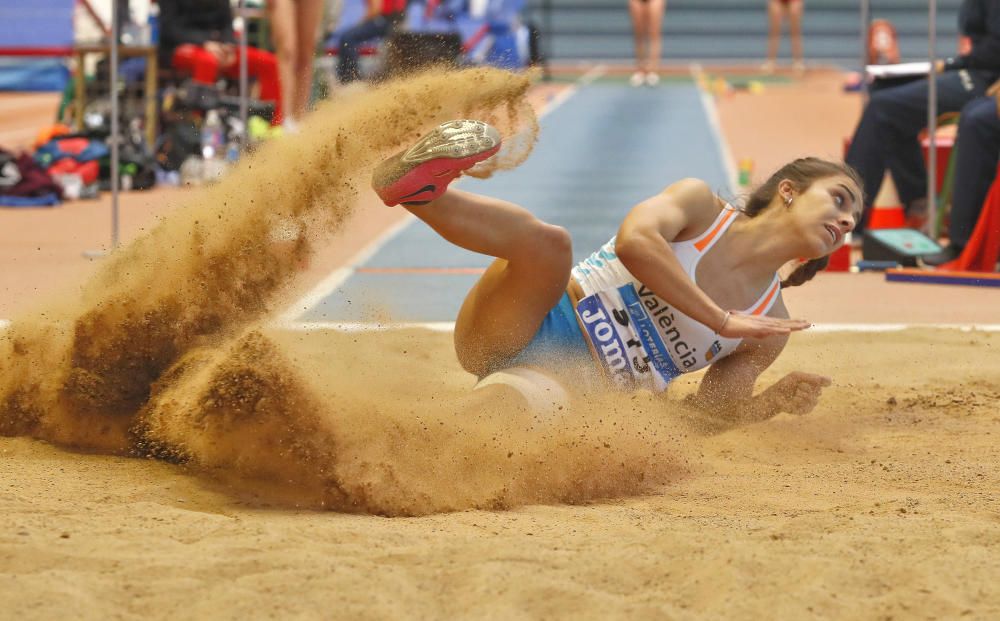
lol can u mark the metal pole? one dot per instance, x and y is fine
(547, 20)
(243, 71)
(932, 120)
(865, 25)
(114, 124)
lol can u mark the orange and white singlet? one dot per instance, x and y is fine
(640, 339)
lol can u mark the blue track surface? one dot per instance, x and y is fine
(601, 152)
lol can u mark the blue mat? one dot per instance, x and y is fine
(33, 25)
(33, 74)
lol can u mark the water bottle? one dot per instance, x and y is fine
(232, 151)
(153, 23)
(212, 147)
(211, 136)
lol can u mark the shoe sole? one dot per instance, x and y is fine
(453, 147)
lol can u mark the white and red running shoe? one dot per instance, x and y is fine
(422, 173)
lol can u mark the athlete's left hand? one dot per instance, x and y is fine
(798, 392)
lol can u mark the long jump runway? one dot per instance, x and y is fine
(599, 153)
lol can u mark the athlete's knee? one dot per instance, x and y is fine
(552, 242)
(559, 239)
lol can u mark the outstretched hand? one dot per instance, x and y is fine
(759, 326)
(798, 392)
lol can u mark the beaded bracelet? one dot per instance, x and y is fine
(725, 320)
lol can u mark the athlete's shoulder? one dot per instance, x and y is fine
(691, 188)
(699, 203)
(695, 197)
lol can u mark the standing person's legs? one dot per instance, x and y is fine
(775, 11)
(307, 22)
(978, 146)
(795, 8)
(636, 9)
(281, 14)
(654, 21)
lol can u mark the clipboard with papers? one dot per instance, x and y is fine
(898, 70)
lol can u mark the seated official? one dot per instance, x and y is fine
(196, 36)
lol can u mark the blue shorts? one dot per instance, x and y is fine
(558, 338)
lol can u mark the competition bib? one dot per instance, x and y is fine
(625, 338)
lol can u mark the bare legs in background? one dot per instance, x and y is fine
(295, 29)
(647, 20)
(777, 12)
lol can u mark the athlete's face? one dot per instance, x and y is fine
(823, 213)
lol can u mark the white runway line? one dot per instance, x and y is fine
(896, 327)
(322, 326)
(592, 74)
(328, 285)
(712, 114)
(449, 326)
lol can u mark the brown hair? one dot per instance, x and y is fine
(802, 172)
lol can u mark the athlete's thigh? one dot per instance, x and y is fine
(504, 310)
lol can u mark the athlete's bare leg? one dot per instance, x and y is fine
(504, 309)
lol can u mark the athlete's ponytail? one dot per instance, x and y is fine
(805, 272)
(802, 173)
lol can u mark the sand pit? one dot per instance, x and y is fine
(882, 503)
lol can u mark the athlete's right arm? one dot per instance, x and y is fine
(643, 248)
(727, 388)
(682, 211)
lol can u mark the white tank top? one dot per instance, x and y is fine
(640, 339)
